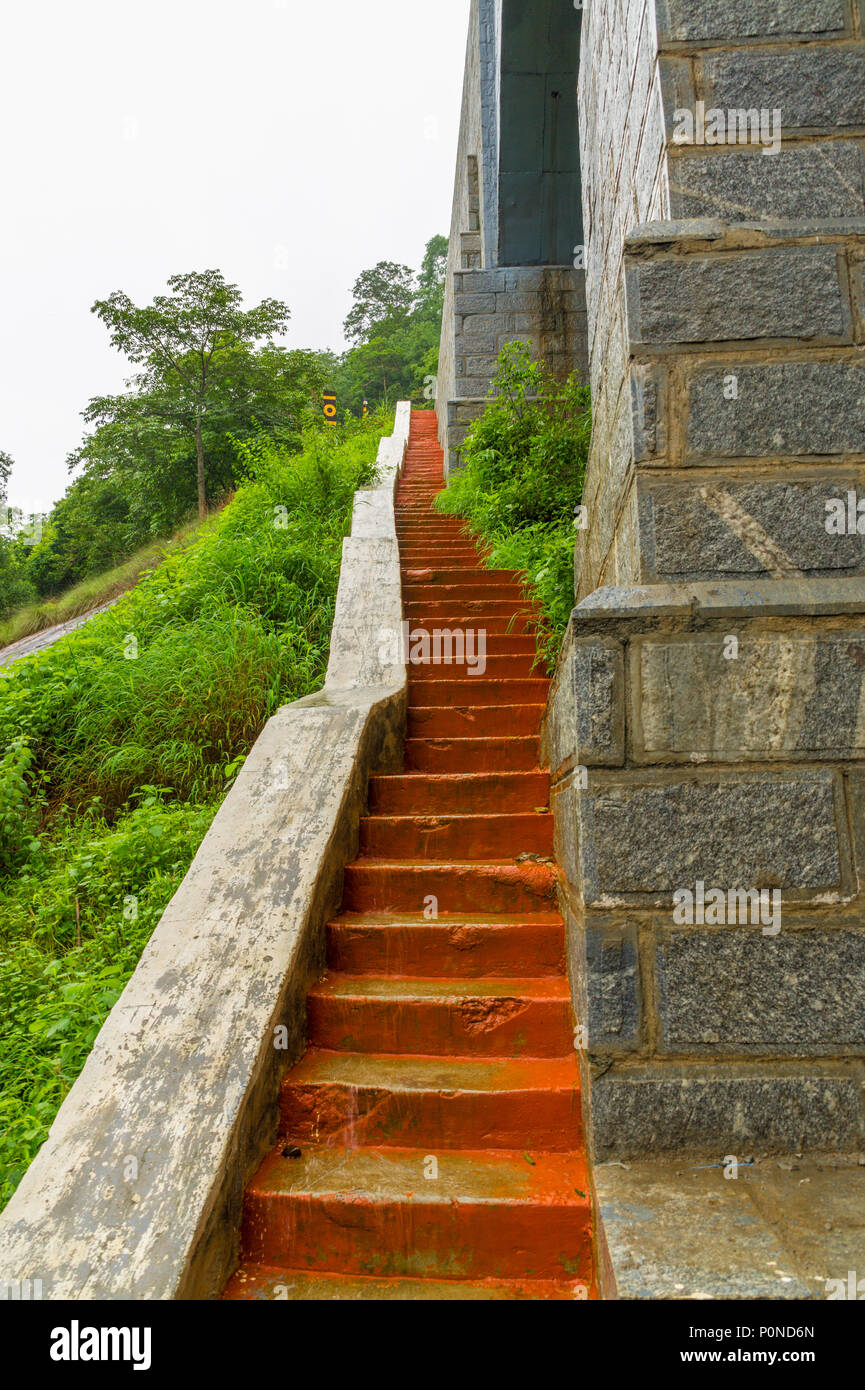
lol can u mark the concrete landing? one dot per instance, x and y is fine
(782, 1229)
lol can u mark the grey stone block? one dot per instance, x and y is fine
(482, 366)
(474, 303)
(799, 181)
(612, 981)
(483, 281)
(790, 292)
(598, 694)
(716, 1110)
(476, 342)
(474, 325)
(473, 386)
(785, 408)
(734, 991)
(693, 532)
(683, 20)
(563, 803)
(648, 400)
(763, 830)
(818, 87)
(528, 303)
(585, 718)
(785, 695)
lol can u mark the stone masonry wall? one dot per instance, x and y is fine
(674, 763)
(765, 288)
(707, 721)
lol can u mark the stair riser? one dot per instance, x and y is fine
(441, 1027)
(510, 668)
(522, 691)
(475, 721)
(406, 888)
(429, 575)
(456, 837)
(374, 1117)
(457, 1240)
(496, 793)
(438, 952)
(490, 616)
(473, 755)
(469, 592)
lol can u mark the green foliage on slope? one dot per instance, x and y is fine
(122, 739)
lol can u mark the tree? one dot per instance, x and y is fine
(431, 279)
(382, 296)
(196, 345)
(395, 323)
(6, 466)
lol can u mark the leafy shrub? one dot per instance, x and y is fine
(523, 465)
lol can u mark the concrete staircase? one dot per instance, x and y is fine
(430, 1140)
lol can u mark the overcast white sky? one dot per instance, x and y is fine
(288, 143)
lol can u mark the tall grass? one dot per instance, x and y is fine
(121, 740)
(92, 592)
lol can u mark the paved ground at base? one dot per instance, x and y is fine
(782, 1229)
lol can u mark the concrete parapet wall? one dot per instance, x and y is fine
(181, 1086)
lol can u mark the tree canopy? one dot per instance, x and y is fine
(197, 347)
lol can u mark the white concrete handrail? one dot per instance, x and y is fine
(137, 1191)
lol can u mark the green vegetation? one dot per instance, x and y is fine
(395, 326)
(524, 463)
(209, 376)
(121, 740)
(92, 592)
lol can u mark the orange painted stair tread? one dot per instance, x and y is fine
(431, 1143)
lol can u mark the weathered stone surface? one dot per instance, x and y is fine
(612, 985)
(735, 991)
(776, 830)
(780, 1230)
(726, 529)
(474, 303)
(598, 693)
(784, 408)
(818, 181)
(648, 401)
(719, 19)
(818, 87)
(717, 1110)
(791, 292)
(585, 715)
(784, 695)
(184, 1074)
(764, 597)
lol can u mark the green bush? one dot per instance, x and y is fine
(122, 739)
(523, 465)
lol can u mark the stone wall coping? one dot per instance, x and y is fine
(767, 598)
(137, 1191)
(691, 233)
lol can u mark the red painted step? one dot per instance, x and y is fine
(431, 1142)
(460, 755)
(467, 947)
(352, 1098)
(442, 1018)
(372, 1211)
(463, 721)
(373, 885)
(486, 791)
